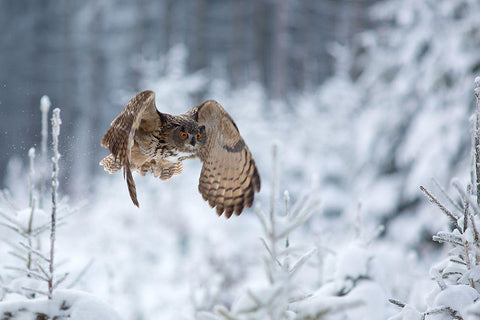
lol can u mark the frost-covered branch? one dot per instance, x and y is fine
(56, 122)
(457, 275)
(44, 108)
(31, 156)
(282, 261)
(439, 205)
(477, 138)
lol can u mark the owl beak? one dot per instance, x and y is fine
(193, 141)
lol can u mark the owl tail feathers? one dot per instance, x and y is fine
(110, 164)
(132, 189)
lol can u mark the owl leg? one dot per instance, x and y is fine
(110, 164)
(170, 169)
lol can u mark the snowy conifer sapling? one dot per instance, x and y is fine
(458, 275)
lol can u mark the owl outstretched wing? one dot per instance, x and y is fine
(229, 177)
(140, 114)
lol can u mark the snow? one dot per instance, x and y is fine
(71, 304)
(457, 298)
(408, 313)
(45, 104)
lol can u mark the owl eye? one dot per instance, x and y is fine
(199, 135)
(183, 135)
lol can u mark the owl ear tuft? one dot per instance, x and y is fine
(163, 118)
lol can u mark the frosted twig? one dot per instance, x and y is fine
(299, 205)
(254, 298)
(36, 291)
(35, 252)
(270, 251)
(474, 228)
(29, 232)
(269, 270)
(477, 139)
(456, 184)
(454, 260)
(441, 206)
(46, 226)
(10, 219)
(81, 274)
(397, 303)
(14, 228)
(223, 312)
(473, 128)
(376, 233)
(446, 195)
(448, 237)
(59, 281)
(300, 298)
(27, 272)
(273, 200)
(273, 196)
(8, 199)
(13, 245)
(466, 214)
(44, 108)
(42, 270)
(16, 255)
(262, 217)
(440, 309)
(438, 278)
(56, 122)
(286, 199)
(31, 176)
(302, 261)
(296, 223)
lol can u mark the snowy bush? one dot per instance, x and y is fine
(458, 275)
(409, 91)
(34, 269)
(305, 280)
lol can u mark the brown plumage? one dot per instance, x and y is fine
(145, 140)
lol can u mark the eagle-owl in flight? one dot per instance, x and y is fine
(145, 140)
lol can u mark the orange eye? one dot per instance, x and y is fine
(199, 136)
(183, 135)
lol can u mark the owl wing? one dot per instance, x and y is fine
(229, 176)
(140, 114)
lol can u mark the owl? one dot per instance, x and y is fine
(145, 140)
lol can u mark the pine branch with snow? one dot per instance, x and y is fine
(33, 272)
(279, 298)
(458, 275)
(56, 122)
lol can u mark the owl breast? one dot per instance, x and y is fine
(176, 156)
(157, 147)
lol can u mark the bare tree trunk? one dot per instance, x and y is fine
(280, 50)
(168, 37)
(198, 54)
(236, 54)
(261, 40)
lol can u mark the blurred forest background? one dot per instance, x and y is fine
(85, 55)
(376, 93)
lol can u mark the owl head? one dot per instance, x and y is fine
(188, 136)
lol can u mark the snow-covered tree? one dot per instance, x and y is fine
(457, 291)
(410, 92)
